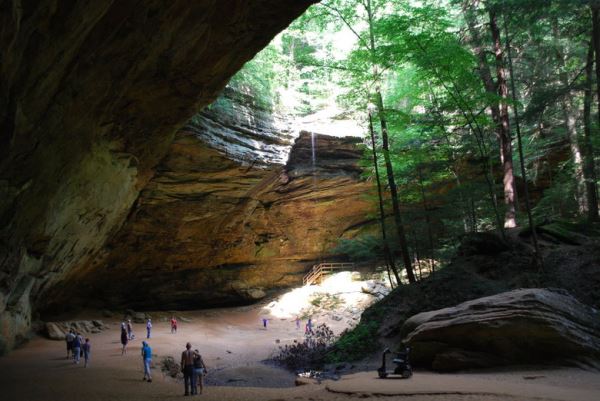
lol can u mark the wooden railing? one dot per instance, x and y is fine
(315, 275)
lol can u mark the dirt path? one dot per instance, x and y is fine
(233, 342)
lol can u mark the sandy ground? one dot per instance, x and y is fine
(233, 343)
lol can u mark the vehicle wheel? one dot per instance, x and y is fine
(382, 375)
(407, 373)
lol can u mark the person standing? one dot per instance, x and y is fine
(173, 325)
(199, 370)
(187, 367)
(147, 360)
(124, 339)
(309, 326)
(77, 348)
(129, 330)
(264, 322)
(148, 328)
(297, 322)
(87, 350)
(69, 340)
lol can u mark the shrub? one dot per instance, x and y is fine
(308, 354)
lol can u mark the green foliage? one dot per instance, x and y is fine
(559, 200)
(365, 247)
(422, 57)
(259, 79)
(355, 344)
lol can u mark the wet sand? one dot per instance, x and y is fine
(233, 343)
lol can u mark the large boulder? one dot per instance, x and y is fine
(376, 288)
(58, 330)
(525, 326)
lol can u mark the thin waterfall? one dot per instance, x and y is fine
(314, 159)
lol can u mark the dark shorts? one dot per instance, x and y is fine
(69, 345)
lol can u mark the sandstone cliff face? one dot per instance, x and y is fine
(91, 94)
(208, 230)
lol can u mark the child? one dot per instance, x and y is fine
(173, 325)
(148, 328)
(87, 349)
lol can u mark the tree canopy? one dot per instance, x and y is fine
(484, 112)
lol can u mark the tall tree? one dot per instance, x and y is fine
(503, 129)
(596, 42)
(385, 146)
(589, 166)
(532, 226)
(352, 14)
(498, 92)
(389, 258)
(571, 115)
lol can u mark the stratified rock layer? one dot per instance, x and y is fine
(58, 330)
(91, 95)
(210, 231)
(527, 326)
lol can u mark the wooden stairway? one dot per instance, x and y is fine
(315, 275)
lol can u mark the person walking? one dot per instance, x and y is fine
(297, 322)
(124, 339)
(173, 325)
(77, 348)
(87, 350)
(147, 360)
(129, 330)
(148, 328)
(199, 370)
(69, 340)
(187, 367)
(264, 322)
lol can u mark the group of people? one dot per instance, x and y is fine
(308, 328)
(192, 364)
(193, 369)
(77, 348)
(128, 335)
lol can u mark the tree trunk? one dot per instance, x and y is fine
(416, 252)
(389, 258)
(596, 41)
(570, 114)
(394, 191)
(520, 148)
(427, 219)
(589, 167)
(386, 156)
(503, 129)
(499, 111)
